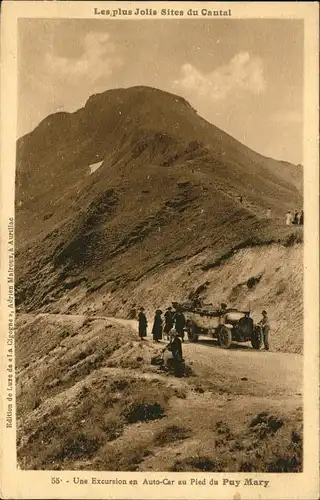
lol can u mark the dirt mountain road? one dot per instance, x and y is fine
(266, 372)
(240, 368)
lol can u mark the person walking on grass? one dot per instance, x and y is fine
(157, 326)
(265, 328)
(143, 324)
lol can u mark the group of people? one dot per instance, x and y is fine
(172, 325)
(173, 319)
(295, 217)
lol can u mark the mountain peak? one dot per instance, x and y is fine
(134, 97)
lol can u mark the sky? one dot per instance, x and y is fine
(244, 76)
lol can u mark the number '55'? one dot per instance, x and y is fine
(55, 480)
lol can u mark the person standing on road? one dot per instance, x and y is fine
(265, 328)
(180, 323)
(143, 323)
(245, 324)
(157, 326)
(168, 318)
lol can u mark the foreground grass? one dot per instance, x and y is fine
(266, 444)
(91, 401)
(97, 414)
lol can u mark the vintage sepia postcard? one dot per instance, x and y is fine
(159, 250)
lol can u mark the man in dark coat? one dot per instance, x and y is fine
(173, 356)
(245, 325)
(180, 323)
(176, 348)
(157, 326)
(168, 317)
(143, 323)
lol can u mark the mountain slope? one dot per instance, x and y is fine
(168, 188)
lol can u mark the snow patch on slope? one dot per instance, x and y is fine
(94, 166)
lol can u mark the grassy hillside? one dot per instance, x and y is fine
(89, 399)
